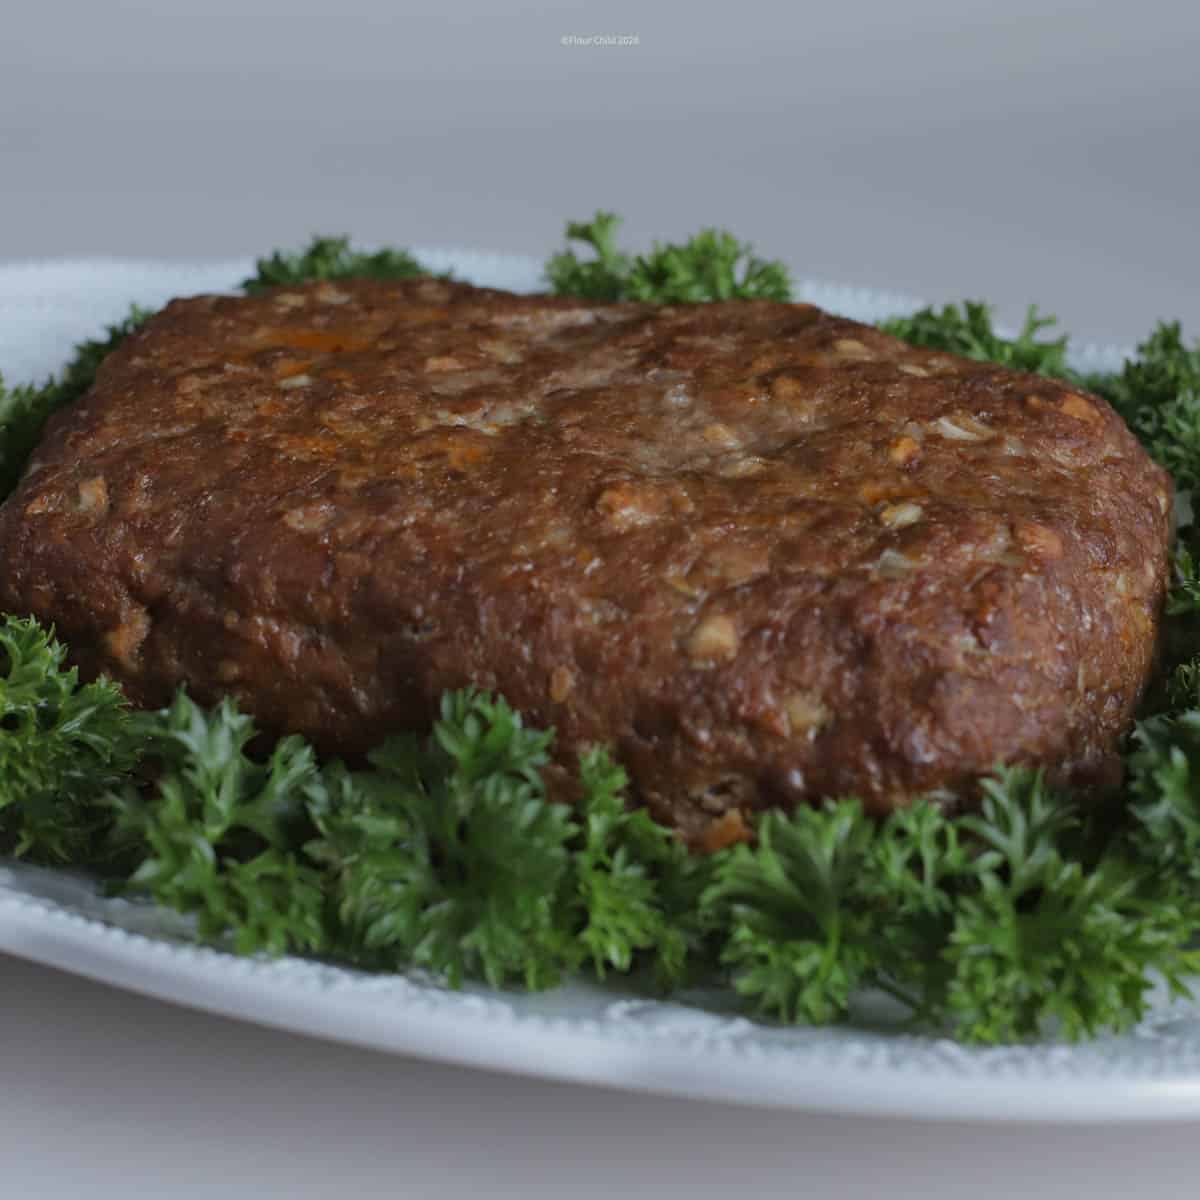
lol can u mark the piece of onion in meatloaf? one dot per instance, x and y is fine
(767, 554)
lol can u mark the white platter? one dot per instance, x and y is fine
(693, 1046)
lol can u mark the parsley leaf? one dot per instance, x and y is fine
(635, 883)
(330, 258)
(604, 277)
(1158, 394)
(1043, 937)
(995, 926)
(61, 746)
(213, 831)
(1164, 783)
(1183, 686)
(967, 330)
(449, 856)
(921, 866)
(711, 265)
(795, 911)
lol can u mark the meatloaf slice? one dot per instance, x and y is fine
(767, 554)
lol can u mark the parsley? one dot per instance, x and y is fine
(712, 265)
(996, 926)
(61, 746)
(448, 856)
(1158, 394)
(330, 258)
(212, 831)
(968, 330)
(795, 911)
(1183, 687)
(1044, 935)
(636, 888)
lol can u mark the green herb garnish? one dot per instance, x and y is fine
(62, 745)
(212, 830)
(968, 330)
(1158, 394)
(712, 265)
(330, 258)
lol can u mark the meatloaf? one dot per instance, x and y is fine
(766, 554)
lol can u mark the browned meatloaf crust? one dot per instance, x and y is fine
(766, 554)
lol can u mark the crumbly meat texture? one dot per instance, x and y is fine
(768, 555)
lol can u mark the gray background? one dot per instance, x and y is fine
(1042, 150)
(1024, 151)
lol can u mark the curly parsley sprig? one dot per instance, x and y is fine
(213, 831)
(712, 265)
(62, 745)
(330, 258)
(967, 330)
(991, 926)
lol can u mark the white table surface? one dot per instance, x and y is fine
(1019, 152)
